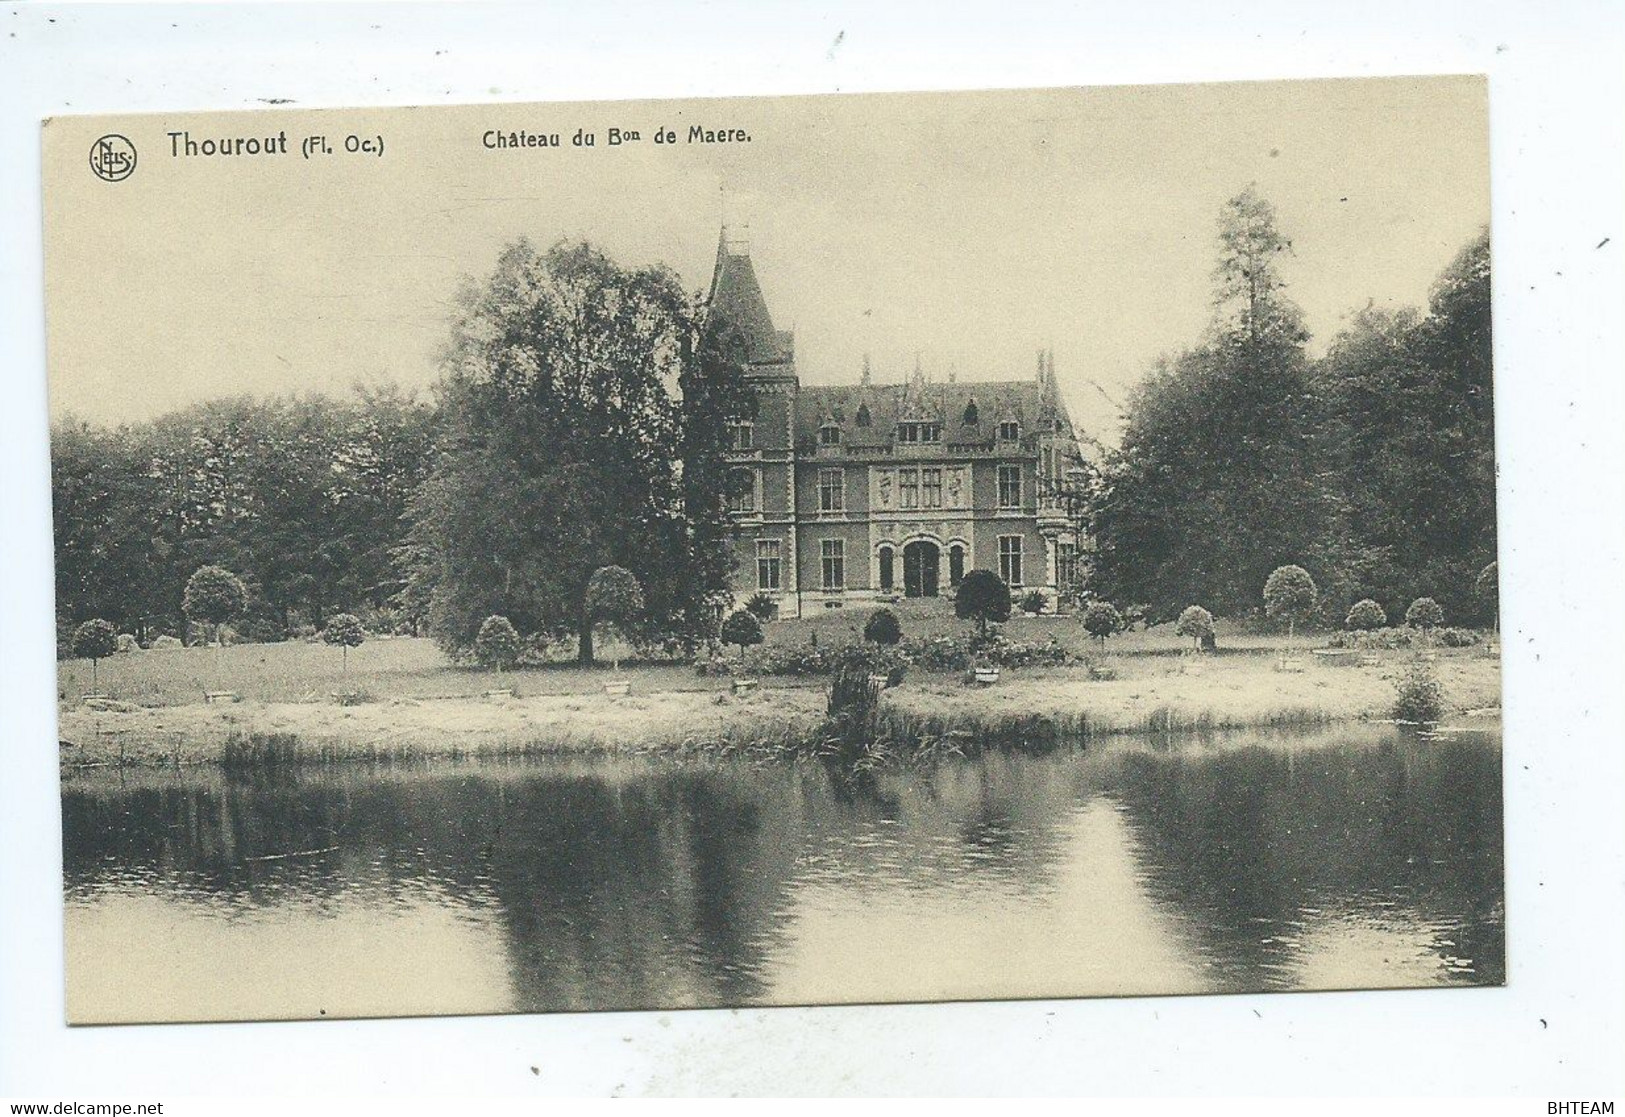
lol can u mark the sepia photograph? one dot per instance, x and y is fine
(841, 549)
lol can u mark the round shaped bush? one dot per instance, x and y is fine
(1425, 614)
(344, 630)
(1366, 616)
(497, 644)
(95, 639)
(1102, 619)
(1290, 594)
(982, 597)
(214, 595)
(1195, 622)
(883, 628)
(1033, 602)
(741, 628)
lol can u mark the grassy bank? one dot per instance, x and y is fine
(1160, 695)
(672, 709)
(279, 732)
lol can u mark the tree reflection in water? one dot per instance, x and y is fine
(1359, 856)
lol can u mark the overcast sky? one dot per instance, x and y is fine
(971, 229)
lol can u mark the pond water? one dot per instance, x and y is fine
(1351, 858)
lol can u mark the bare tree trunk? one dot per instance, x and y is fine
(584, 640)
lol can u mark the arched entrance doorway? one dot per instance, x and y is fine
(921, 560)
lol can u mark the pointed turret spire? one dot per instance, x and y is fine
(867, 377)
(736, 296)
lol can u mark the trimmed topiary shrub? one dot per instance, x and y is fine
(883, 628)
(1425, 614)
(1290, 594)
(982, 597)
(497, 644)
(95, 640)
(214, 596)
(1101, 619)
(1365, 616)
(743, 629)
(344, 631)
(1197, 623)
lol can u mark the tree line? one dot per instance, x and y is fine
(302, 497)
(1372, 467)
(582, 421)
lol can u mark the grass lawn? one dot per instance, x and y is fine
(405, 667)
(402, 667)
(419, 703)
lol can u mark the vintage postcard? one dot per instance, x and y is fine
(940, 546)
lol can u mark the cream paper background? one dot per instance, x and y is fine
(1555, 88)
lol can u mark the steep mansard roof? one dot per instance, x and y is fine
(736, 296)
(946, 403)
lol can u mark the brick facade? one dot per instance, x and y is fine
(868, 491)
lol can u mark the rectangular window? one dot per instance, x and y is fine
(1009, 486)
(919, 432)
(741, 490)
(743, 436)
(930, 488)
(1066, 566)
(833, 554)
(1010, 559)
(831, 490)
(908, 488)
(768, 568)
(1009, 431)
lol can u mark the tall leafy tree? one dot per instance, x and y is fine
(585, 408)
(1411, 410)
(1224, 470)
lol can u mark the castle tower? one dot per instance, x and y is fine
(736, 296)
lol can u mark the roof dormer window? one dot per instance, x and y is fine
(829, 434)
(971, 415)
(919, 432)
(864, 419)
(1009, 431)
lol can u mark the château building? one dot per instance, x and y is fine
(867, 491)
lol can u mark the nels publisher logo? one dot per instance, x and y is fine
(112, 158)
